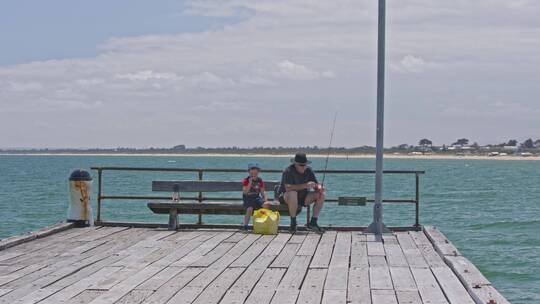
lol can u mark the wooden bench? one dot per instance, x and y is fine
(173, 208)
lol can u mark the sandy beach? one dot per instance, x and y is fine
(389, 156)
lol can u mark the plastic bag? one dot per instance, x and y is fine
(265, 221)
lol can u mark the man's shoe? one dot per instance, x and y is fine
(292, 229)
(315, 228)
(244, 229)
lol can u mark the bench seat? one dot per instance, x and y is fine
(164, 207)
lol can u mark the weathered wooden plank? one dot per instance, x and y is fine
(155, 282)
(16, 275)
(286, 255)
(410, 250)
(428, 287)
(298, 237)
(124, 287)
(5, 269)
(389, 239)
(408, 297)
(334, 296)
(277, 244)
(192, 290)
(164, 293)
(241, 289)
(395, 256)
(321, 258)
(312, 287)
(101, 233)
(402, 279)
(338, 270)
(215, 291)
(235, 238)
(243, 286)
(358, 291)
(375, 248)
(379, 274)
(35, 296)
(488, 294)
(359, 257)
(41, 245)
(26, 237)
(309, 244)
(453, 289)
(377, 260)
(46, 276)
(65, 294)
(440, 242)
(474, 281)
(379, 296)
(139, 263)
(212, 256)
(86, 296)
(289, 287)
(253, 252)
(135, 297)
(264, 290)
(91, 269)
(469, 275)
(198, 253)
(180, 251)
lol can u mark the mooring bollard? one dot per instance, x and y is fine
(80, 210)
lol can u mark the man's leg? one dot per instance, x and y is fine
(291, 199)
(318, 200)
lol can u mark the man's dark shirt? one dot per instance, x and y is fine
(292, 177)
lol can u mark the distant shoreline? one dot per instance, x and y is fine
(353, 156)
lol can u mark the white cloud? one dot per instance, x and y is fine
(294, 71)
(316, 55)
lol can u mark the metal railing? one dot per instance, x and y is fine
(200, 198)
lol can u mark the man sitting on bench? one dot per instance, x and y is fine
(299, 187)
(254, 193)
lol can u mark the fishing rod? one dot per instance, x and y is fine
(329, 147)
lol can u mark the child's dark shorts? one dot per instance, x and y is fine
(253, 201)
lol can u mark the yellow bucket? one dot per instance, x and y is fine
(265, 221)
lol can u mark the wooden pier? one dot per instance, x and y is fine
(148, 265)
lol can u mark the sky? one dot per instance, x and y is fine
(265, 72)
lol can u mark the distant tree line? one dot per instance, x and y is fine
(424, 146)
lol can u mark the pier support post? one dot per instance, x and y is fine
(173, 219)
(377, 226)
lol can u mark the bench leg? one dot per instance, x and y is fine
(173, 219)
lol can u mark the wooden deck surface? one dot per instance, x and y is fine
(142, 265)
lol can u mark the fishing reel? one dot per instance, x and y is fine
(317, 188)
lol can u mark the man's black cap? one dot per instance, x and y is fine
(301, 158)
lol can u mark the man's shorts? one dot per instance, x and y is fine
(301, 201)
(254, 202)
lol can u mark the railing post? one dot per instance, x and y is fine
(417, 200)
(99, 195)
(200, 198)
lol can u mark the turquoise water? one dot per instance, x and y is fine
(488, 208)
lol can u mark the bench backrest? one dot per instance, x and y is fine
(205, 186)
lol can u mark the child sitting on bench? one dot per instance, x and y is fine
(254, 193)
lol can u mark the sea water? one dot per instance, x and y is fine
(490, 209)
